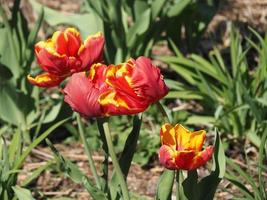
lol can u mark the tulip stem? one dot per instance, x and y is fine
(179, 188)
(88, 151)
(115, 162)
(166, 116)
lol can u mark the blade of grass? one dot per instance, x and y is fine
(36, 142)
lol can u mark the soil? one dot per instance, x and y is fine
(141, 181)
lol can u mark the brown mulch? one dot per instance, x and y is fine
(50, 183)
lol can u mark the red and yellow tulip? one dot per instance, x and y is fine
(182, 149)
(65, 54)
(126, 88)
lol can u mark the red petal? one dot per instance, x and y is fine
(97, 75)
(190, 160)
(167, 157)
(82, 96)
(60, 43)
(45, 80)
(184, 159)
(74, 41)
(52, 63)
(92, 51)
(202, 158)
(114, 102)
(148, 81)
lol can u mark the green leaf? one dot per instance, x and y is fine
(5, 72)
(14, 147)
(22, 193)
(232, 178)
(140, 6)
(53, 113)
(32, 37)
(130, 145)
(127, 153)
(15, 105)
(190, 185)
(247, 177)
(219, 160)
(156, 8)
(94, 191)
(262, 183)
(37, 141)
(197, 120)
(177, 8)
(139, 28)
(34, 31)
(164, 188)
(9, 47)
(36, 173)
(73, 172)
(187, 94)
(53, 18)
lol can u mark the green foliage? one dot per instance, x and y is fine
(22, 193)
(16, 56)
(250, 185)
(21, 106)
(73, 172)
(186, 29)
(131, 28)
(230, 93)
(12, 156)
(164, 189)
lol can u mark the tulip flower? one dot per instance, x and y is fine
(135, 85)
(122, 89)
(182, 149)
(65, 54)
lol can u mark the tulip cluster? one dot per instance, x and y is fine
(98, 90)
(127, 88)
(95, 89)
(182, 149)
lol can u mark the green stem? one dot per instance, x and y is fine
(115, 162)
(177, 185)
(166, 117)
(38, 128)
(88, 151)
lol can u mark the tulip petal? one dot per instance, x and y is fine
(67, 42)
(184, 159)
(189, 140)
(45, 80)
(51, 61)
(147, 80)
(119, 103)
(74, 41)
(97, 75)
(167, 135)
(202, 158)
(92, 50)
(60, 43)
(167, 157)
(82, 96)
(118, 77)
